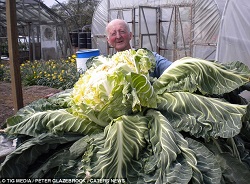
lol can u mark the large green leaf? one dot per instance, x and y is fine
(237, 66)
(123, 141)
(172, 153)
(163, 140)
(191, 74)
(206, 162)
(55, 121)
(53, 162)
(202, 116)
(165, 145)
(144, 91)
(234, 171)
(57, 101)
(179, 171)
(18, 163)
(66, 160)
(191, 159)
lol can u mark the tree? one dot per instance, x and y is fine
(76, 13)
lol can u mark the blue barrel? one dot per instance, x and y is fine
(82, 56)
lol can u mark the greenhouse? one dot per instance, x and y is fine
(179, 28)
(42, 33)
(172, 28)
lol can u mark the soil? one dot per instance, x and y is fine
(30, 94)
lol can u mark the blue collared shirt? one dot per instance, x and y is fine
(161, 65)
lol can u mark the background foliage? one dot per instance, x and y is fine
(60, 74)
(76, 13)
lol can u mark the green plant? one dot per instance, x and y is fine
(179, 128)
(4, 47)
(1, 71)
(60, 73)
(4, 73)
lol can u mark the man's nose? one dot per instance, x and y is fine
(118, 35)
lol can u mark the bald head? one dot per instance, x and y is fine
(115, 22)
(118, 34)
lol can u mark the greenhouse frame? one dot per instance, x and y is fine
(179, 28)
(42, 34)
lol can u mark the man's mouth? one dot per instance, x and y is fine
(119, 41)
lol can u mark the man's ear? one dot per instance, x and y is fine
(107, 38)
(131, 35)
(108, 42)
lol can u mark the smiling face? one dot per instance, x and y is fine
(118, 35)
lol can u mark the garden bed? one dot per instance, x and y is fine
(30, 94)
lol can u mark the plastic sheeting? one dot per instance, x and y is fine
(234, 36)
(173, 28)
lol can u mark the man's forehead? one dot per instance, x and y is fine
(119, 26)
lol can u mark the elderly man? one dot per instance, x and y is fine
(119, 36)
